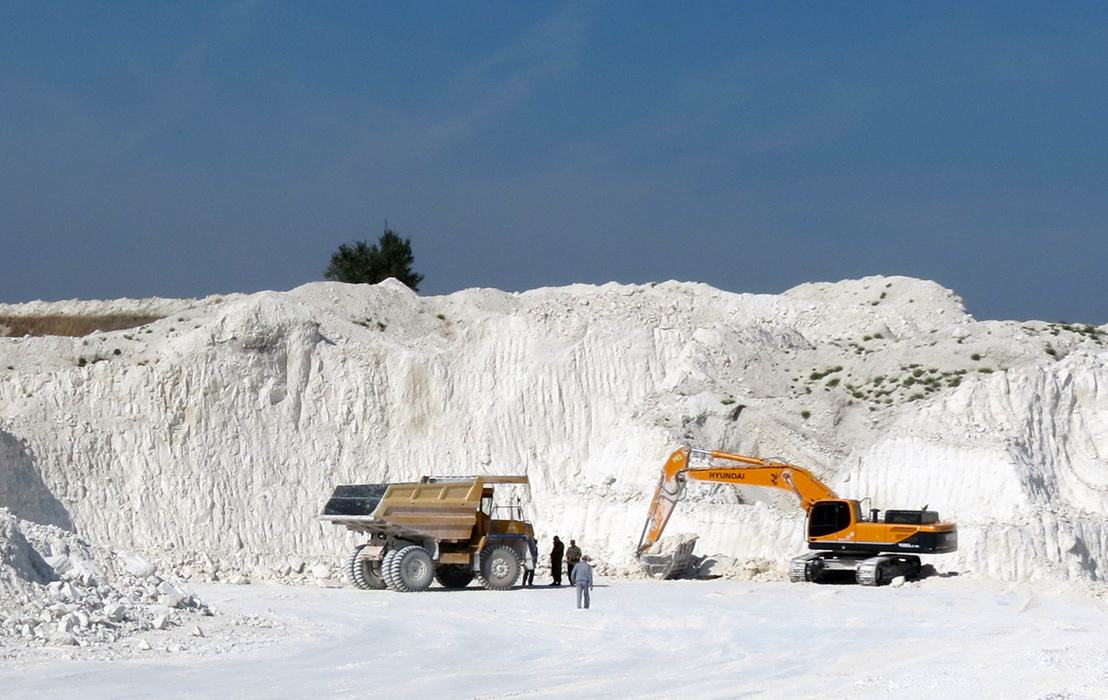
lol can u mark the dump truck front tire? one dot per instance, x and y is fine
(411, 569)
(363, 573)
(500, 568)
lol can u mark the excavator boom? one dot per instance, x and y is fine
(754, 472)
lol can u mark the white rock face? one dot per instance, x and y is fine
(208, 441)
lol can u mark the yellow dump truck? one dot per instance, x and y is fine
(441, 528)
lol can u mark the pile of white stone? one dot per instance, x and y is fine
(202, 568)
(59, 589)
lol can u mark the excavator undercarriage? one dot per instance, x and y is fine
(864, 568)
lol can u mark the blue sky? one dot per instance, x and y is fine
(186, 149)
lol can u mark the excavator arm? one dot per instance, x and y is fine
(753, 472)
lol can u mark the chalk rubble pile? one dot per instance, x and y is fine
(293, 571)
(59, 589)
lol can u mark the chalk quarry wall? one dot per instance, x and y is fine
(219, 430)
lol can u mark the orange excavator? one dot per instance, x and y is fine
(873, 548)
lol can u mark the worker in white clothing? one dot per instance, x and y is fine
(582, 579)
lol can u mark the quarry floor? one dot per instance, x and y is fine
(938, 638)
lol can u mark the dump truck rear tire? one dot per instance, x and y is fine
(364, 573)
(386, 570)
(412, 569)
(453, 575)
(500, 568)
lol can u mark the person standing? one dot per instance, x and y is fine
(529, 573)
(573, 555)
(556, 561)
(582, 577)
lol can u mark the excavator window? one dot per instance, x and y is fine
(828, 517)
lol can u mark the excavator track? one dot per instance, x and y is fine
(881, 570)
(798, 571)
(871, 572)
(801, 569)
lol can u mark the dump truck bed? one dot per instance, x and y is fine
(445, 509)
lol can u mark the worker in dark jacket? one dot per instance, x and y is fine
(556, 561)
(573, 555)
(582, 577)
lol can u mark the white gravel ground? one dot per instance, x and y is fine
(939, 638)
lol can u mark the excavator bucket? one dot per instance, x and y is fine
(679, 562)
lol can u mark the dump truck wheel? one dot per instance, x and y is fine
(354, 562)
(453, 575)
(412, 569)
(386, 570)
(500, 568)
(363, 573)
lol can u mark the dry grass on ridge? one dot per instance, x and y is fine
(71, 326)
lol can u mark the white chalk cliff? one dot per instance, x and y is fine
(218, 431)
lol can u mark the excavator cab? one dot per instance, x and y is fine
(830, 517)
